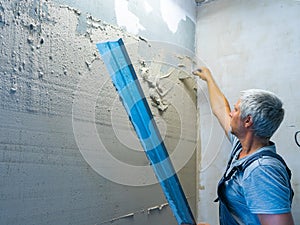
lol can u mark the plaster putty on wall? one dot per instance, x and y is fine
(49, 69)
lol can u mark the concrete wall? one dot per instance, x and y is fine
(170, 21)
(248, 44)
(58, 103)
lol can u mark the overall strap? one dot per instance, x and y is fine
(249, 161)
(254, 157)
(243, 166)
(236, 147)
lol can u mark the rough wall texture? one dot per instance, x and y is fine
(248, 44)
(57, 100)
(171, 21)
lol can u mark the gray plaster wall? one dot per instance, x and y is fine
(247, 44)
(68, 153)
(171, 21)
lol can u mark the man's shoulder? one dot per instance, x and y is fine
(265, 165)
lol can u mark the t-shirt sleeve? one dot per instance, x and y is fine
(266, 190)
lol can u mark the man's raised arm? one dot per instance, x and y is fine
(219, 104)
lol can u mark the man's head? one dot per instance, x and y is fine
(265, 109)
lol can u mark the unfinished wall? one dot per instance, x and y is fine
(57, 101)
(171, 21)
(248, 44)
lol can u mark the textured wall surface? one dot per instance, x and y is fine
(57, 101)
(248, 44)
(171, 21)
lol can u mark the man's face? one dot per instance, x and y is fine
(236, 123)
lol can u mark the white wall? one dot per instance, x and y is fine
(248, 44)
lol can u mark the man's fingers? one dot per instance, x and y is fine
(197, 71)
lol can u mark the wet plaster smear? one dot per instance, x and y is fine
(57, 100)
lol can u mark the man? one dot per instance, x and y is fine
(261, 193)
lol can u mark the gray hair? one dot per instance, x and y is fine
(265, 108)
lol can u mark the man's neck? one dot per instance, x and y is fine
(251, 143)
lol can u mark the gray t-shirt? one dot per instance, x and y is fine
(262, 188)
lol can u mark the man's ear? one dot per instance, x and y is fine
(248, 121)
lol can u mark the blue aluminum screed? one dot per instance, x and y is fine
(124, 78)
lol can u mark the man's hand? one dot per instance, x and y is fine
(203, 73)
(219, 104)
